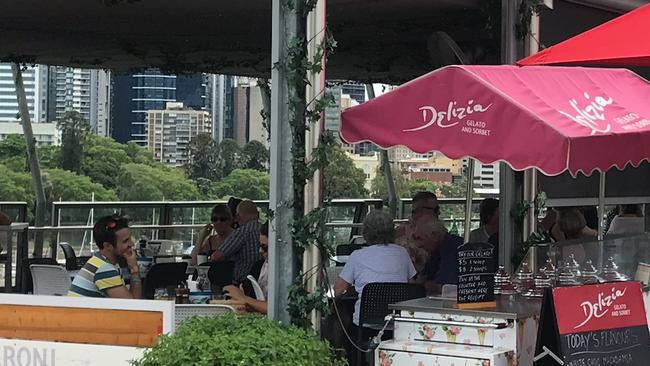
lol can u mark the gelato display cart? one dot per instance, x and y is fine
(433, 331)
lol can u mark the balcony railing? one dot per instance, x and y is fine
(72, 222)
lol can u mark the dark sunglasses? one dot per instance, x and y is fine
(220, 219)
(111, 225)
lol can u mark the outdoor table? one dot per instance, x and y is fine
(239, 306)
(21, 251)
(341, 259)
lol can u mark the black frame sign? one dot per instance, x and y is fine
(476, 269)
(593, 325)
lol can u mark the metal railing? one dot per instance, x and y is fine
(72, 222)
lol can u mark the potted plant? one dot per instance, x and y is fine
(238, 340)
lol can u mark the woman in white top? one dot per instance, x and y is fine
(629, 220)
(382, 261)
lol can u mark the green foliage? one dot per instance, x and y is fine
(12, 146)
(102, 163)
(378, 185)
(203, 158)
(15, 186)
(256, 156)
(68, 186)
(49, 157)
(342, 178)
(74, 130)
(137, 153)
(147, 183)
(243, 183)
(231, 156)
(526, 10)
(231, 340)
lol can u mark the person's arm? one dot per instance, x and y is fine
(114, 287)
(230, 246)
(346, 277)
(237, 294)
(341, 286)
(202, 244)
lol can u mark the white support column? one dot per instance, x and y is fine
(316, 89)
(282, 269)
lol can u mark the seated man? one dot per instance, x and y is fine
(242, 246)
(237, 294)
(489, 213)
(441, 266)
(101, 276)
(424, 204)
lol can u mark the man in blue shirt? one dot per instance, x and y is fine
(429, 232)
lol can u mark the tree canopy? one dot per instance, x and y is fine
(69, 186)
(256, 156)
(342, 179)
(139, 182)
(74, 130)
(231, 155)
(243, 183)
(203, 158)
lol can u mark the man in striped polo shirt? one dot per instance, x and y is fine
(101, 276)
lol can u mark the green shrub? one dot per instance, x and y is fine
(238, 340)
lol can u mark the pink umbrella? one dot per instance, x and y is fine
(551, 118)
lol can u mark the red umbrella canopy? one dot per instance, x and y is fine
(623, 41)
(552, 118)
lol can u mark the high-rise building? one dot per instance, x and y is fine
(86, 91)
(170, 131)
(356, 91)
(35, 82)
(220, 102)
(103, 127)
(135, 94)
(247, 113)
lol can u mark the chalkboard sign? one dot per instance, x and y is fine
(595, 325)
(476, 268)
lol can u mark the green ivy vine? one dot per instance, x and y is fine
(308, 229)
(526, 10)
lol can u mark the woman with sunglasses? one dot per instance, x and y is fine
(215, 233)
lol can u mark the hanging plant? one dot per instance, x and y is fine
(526, 10)
(308, 229)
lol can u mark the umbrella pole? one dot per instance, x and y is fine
(468, 201)
(601, 206)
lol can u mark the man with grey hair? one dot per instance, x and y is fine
(381, 261)
(441, 266)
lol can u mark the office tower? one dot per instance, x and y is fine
(86, 91)
(219, 102)
(169, 132)
(135, 94)
(35, 82)
(248, 123)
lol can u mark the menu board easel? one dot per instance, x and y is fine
(593, 325)
(476, 268)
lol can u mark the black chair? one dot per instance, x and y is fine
(375, 299)
(220, 275)
(347, 249)
(163, 275)
(72, 262)
(26, 284)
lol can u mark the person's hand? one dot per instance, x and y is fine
(131, 259)
(235, 293)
